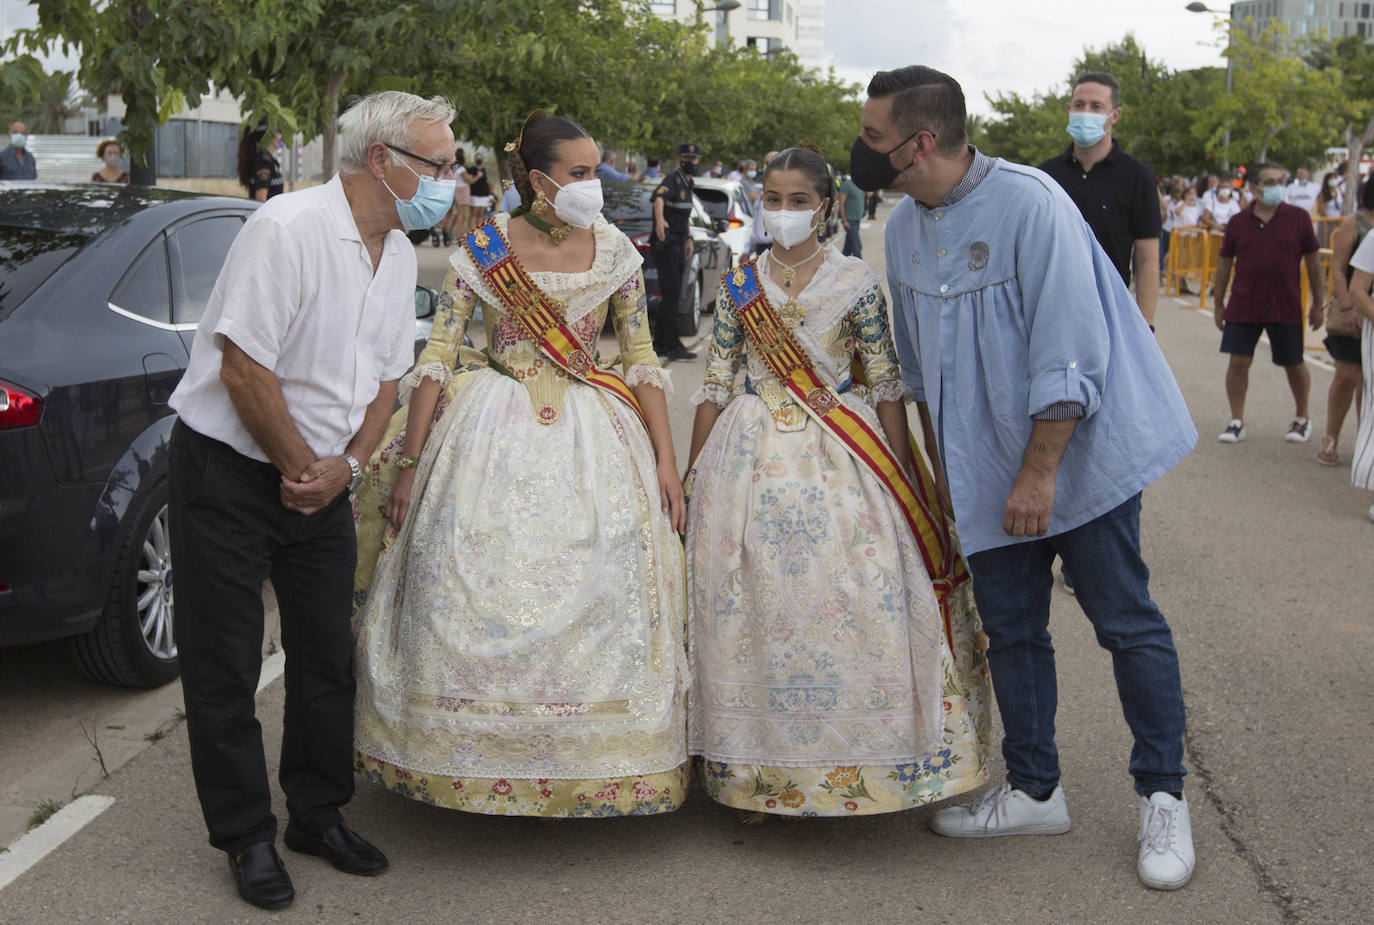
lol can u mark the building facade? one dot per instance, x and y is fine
(766, 25)
(1308, 18)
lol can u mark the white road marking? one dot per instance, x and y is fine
(272, 667)
(34, 845)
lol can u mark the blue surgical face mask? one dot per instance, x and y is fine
(1087, 128)
(751, 173)
(19, 139)
(1272, 195)
(429, 204)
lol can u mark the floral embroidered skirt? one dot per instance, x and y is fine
(824, 680)
(645, 795)
(520, 640)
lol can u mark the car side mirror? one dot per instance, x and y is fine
(720, 224)
(425, 301)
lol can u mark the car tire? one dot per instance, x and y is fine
(689, 309)
(134, 646)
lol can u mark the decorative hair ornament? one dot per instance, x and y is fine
(519, 141)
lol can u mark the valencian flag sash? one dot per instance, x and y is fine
(789, 362)
(539, 315)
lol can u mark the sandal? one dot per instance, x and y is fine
(1327, 455)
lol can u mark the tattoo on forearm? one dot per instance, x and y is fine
(1040, 447)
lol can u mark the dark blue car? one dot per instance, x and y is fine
(101, 288)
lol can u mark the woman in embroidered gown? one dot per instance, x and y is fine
(823, 679)
(520, 650)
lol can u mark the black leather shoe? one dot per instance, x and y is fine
(682, 353)
(261, 877)
(341, 846)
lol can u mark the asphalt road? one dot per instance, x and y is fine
(1260, 559)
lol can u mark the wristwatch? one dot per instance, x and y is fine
(356, 470)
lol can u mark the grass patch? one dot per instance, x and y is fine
(44, 812)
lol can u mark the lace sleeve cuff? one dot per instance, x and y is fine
(436, 371)
(891, 390)
(713, 392)
(649, 374)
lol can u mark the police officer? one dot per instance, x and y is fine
(672, 248)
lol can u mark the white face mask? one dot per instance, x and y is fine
(790, 227)
(578, 203)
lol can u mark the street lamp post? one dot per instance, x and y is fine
(1197, 7)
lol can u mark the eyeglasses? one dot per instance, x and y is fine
(441, 171)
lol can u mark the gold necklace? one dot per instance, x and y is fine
(789, 273)
(556, 232)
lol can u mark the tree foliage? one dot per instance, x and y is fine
(633, 79)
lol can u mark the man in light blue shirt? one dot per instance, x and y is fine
(1048, 406)
(606, 169)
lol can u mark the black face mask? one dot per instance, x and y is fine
(872, 170)
(687, 167)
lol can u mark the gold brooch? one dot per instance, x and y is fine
(510, 146)
(738, 278)
(481, 239)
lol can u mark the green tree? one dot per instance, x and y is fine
(1352, 60)
(1278, 107)
(56, 99)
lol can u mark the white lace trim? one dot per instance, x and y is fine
(713, 392)
(648, 374)
(616, 261)
(891, 390)
(827, 299)
(411, 380)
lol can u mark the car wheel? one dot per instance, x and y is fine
(689, 310)
(133, 644)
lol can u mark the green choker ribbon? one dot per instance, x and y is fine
(556, 232)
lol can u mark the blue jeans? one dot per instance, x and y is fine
(853, 245)
(1012, 587)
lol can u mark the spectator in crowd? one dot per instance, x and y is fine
(1114, 191)
(1267, 244)
(1343, 325)
(851, 209)
(1189, 211)
(749, 183)
(1301, 192)
(1207, 189)
(479, 198)
(112, 171)
(259, 172)
(1362, 460)
(652, 171)
(1224, 208)
(759, 238)
(16, 163)
(1171, 201)
(1328, 201)
(872, 199)
(737, 173)
(716, 169)
(454, 223)
(606, 169)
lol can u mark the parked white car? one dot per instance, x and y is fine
(728, 200)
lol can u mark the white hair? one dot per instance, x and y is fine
(385, 117)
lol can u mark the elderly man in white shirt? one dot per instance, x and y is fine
(292, 378)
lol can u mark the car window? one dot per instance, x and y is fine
(198, 252)
(716, 201)
(742, 202)
(145, 289)
(700, 217)
(27, 257)
(626, 201)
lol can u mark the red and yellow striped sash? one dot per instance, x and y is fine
(539, 315)
(786, 359)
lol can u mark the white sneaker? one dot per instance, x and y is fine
(1166, 857)
(1300, 431)
(1004, 811)
(1234, 432)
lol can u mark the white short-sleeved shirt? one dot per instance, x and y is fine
(298, 294)
(1363, 258)
(1223, 210)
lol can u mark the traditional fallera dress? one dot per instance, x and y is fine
(826, 681)
(520, 646)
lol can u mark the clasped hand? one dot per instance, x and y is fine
(318, 485)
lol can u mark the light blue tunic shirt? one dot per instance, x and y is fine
(1003, 305)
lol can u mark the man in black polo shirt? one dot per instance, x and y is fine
(1114, 191)
(671, 246)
